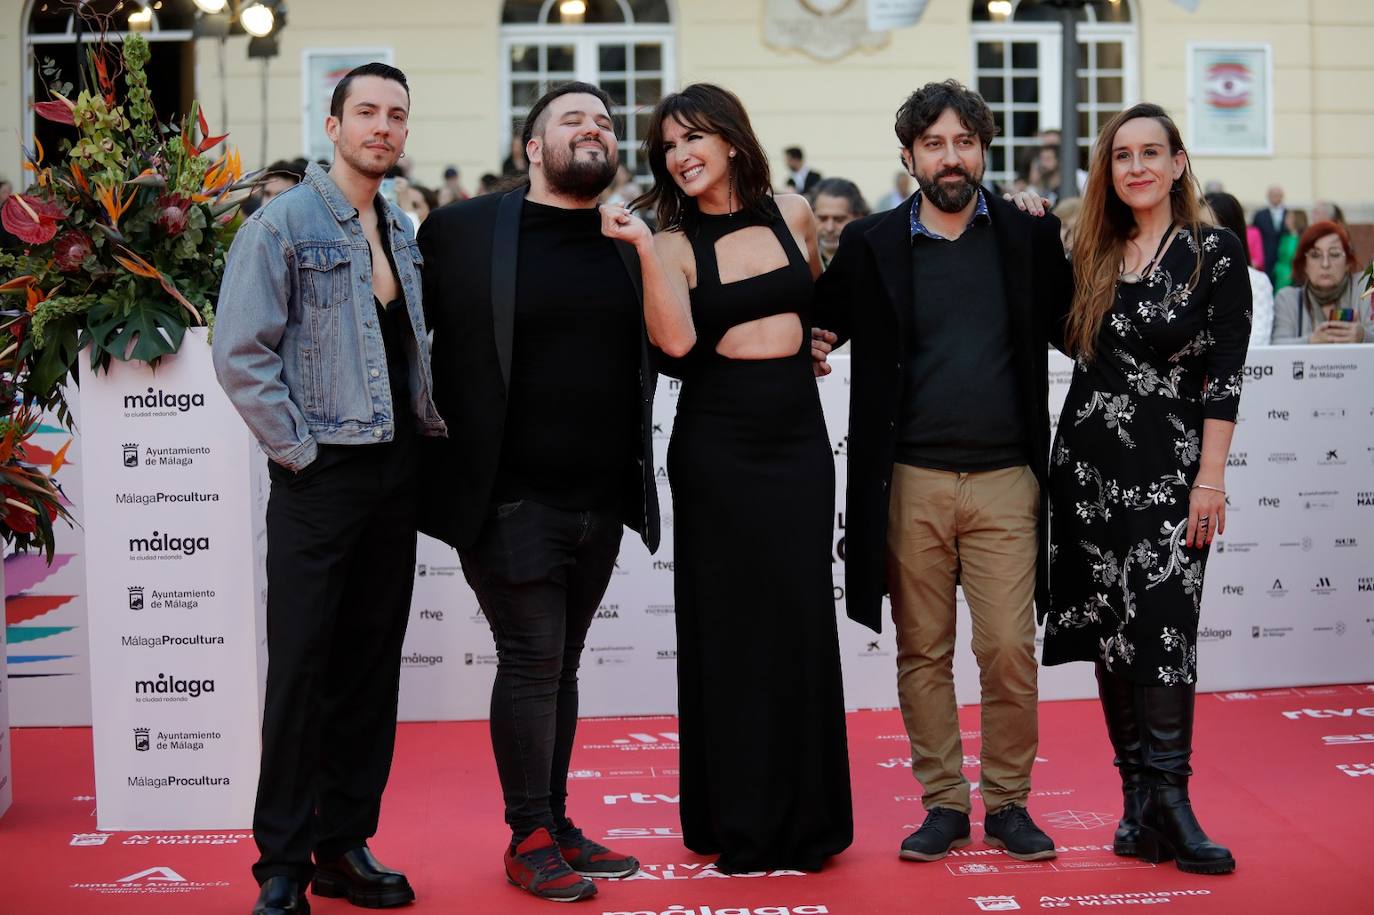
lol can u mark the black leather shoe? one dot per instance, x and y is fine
(942, 830)
(281, 896)
(1013, 830)
(361, 879)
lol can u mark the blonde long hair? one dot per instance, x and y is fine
(1106, 223)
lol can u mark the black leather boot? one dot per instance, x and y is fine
(1123, 729)
(1168, 827)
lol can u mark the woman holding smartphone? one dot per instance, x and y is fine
(1324, 304)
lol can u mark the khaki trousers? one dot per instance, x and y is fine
(981, 529)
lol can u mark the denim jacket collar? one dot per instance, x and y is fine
(343, 211)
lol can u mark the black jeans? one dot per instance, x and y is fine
(539, 574)
(340, 568)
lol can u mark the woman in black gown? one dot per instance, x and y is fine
(728, 286)
(1159, 326)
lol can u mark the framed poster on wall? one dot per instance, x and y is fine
(1230, 99)
(321, 70)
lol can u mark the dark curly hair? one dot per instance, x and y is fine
(924, 107)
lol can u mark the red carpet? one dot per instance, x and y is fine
(1285, 777)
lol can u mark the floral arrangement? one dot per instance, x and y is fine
(124, 238)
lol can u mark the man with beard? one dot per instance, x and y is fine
(542, 371)
(320, 344)
(949, 300)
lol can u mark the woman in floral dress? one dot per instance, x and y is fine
(1159, 326)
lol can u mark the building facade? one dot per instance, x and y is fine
(809, 72)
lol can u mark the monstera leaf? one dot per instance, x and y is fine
(148, 331)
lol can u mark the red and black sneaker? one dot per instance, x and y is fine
(536, 865)
(591, 859)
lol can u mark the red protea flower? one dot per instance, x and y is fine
(70, 249)
(171, 214)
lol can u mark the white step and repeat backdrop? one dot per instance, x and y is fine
(1290, 589)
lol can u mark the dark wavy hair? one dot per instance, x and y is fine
(710, 109)
(924, 107)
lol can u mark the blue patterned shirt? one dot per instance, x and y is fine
(918, 228)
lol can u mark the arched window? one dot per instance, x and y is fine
(1018, 68)
(627, 47)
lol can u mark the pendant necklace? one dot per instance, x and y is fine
(1137, 276)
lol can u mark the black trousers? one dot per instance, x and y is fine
(340, 568)
(539, 574)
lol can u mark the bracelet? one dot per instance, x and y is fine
(1212, 488)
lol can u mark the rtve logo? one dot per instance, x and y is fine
(1269, 501)
(1295, 714)
(1280, 415)
(1238, 590)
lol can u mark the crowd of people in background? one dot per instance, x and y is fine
(1303, 265)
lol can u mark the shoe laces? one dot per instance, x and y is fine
(547, 862)
(939, 813)
(1018, 817)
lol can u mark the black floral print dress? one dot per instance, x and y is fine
(1124, 589)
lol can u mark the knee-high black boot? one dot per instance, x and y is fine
(1119, 709)
(1168, 827)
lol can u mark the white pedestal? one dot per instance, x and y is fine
(172, 582)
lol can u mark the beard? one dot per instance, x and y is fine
(362, 160)
(580, 179)
(950, 200)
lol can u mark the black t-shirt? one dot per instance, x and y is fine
(572, 421)
(393, 318)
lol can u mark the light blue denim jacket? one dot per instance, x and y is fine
(297, 345)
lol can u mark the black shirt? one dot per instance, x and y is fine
(572, 421)
(961, 410)
(393, 318)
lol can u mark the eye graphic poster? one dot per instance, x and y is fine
(1230, 99)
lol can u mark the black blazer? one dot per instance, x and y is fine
(866, 296)
(470, 250)
(1269, 237)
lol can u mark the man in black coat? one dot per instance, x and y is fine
(1270, 221)
(541, 369)
(948, 301)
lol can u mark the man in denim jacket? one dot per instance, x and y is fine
(321, 346)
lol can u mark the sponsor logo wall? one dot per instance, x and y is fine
(1290, 587)
(1288, 600)
(171, 571)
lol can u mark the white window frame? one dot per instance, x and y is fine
(586, 39)
(1051, 39)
